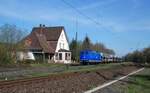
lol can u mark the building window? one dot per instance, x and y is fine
(62, 36)
(56, 56)
(60, 56)
(60, 45)
(69, 56)
(63, 45)
(66, 56)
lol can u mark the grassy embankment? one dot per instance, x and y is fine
(140, 83)
(49, 69)
(64, 69)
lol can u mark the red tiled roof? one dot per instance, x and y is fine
(51, 33)
(44, 38)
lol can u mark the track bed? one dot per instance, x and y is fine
(73, 82)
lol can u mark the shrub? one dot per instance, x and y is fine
(5, 56)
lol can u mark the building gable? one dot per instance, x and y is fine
(62, 42)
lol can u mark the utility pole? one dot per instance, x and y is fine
(76, 38)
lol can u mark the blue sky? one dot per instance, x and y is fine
(124, 25)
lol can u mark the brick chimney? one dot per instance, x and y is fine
(40, 25)
(43, 25)
(41, 28)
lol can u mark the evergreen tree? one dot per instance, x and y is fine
(87, 45)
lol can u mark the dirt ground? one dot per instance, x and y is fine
(74, 82)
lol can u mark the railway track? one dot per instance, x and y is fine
(22, 81)
(35, 84)
(33, 79)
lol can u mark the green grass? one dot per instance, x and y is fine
(46, 65)
(140, 83)
(79, 68)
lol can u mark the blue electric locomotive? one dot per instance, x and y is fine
(90, 57)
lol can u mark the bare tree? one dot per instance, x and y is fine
(10, 35)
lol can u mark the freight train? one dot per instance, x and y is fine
(94, 57)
